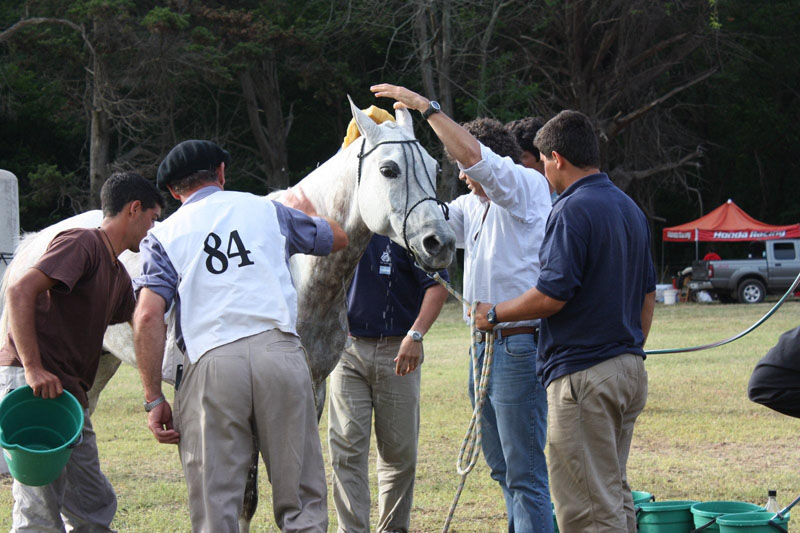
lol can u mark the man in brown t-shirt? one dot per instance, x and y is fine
(58, 313)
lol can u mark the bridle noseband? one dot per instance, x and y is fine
(413, 147)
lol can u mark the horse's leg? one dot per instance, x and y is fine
(250, 491)
(105, 371)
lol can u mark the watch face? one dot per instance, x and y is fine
(435, 105)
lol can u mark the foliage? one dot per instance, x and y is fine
(695, 101)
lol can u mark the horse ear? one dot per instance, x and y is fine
(403, 117)
(367, 126)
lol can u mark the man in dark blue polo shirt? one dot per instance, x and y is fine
(595, 296)
(391, 305)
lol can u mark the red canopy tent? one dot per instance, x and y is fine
(727, 223)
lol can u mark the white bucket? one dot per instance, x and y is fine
(660, 288)
(670, 296)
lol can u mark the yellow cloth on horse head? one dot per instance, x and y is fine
(375, 113)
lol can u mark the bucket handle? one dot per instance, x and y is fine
(776, 526)
(638, 509)
(77, 442)
(707, 524)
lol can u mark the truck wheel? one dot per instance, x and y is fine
(751, 291)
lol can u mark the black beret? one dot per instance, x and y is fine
(189, 157)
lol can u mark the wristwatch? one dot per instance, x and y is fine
(491, 316)
(416, 336)
(149, 406)
(433, 107)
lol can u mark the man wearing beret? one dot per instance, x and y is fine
(222, 260)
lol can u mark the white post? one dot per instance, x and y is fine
(9, 217)
(9, 236)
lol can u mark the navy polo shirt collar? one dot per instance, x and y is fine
(590, 179)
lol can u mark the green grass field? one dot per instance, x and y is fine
(698, 438)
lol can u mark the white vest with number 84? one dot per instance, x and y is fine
(234, 281)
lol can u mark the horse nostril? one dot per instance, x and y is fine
(431, 244)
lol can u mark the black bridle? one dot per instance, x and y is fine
(413, 147)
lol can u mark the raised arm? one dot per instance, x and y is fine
(460, 143)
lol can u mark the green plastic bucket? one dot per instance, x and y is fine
(707, 511)
(38, 435)
(665, 516)
(555, 522)
(640, 496)
(753, 522)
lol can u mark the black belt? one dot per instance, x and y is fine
(480, 336)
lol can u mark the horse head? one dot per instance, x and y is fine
(396, 189)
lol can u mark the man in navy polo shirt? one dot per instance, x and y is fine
(595, 295)
(391, 305)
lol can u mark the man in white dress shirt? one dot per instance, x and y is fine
(500, 226)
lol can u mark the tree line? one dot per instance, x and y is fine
(694, 101)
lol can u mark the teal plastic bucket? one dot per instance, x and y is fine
(555, 522)
(38, 435)
(665, 516)
(753, 522)
(707, 511)
(640, 496)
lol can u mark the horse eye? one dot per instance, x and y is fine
(389, 169)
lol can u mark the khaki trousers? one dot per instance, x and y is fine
(261, 386)
(81, 499)
(590, 427)
(365, 381)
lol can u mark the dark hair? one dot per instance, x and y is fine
(122, 188)
(495, 136)
(524, 130)
(571, 134)
(191, 181)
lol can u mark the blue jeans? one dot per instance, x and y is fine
(514, 427)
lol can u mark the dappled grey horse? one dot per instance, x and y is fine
(384, 183)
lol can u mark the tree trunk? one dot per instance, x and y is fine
(262, 95)
(100, 141)
(448, 182)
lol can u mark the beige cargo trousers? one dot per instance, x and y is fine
(258, 385)
(364, 382)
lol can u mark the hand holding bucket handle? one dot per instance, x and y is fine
(43, 383)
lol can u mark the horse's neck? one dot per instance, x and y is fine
(331, 188)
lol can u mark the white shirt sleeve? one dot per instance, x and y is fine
(507, 184)
(456, 219)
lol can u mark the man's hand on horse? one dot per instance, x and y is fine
(295, 198)
(159, 420)
(480, 317)
(409, 356)
(405, 97)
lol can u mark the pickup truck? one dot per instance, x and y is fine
(749, 280)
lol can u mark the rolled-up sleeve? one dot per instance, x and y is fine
(304, 234)
(158, 273)
(504, 182)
